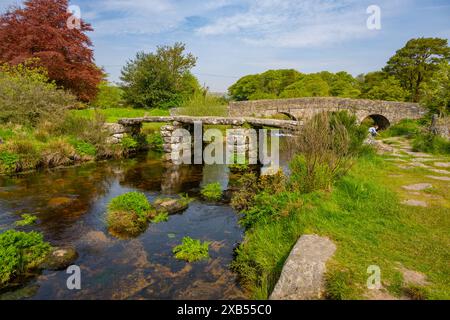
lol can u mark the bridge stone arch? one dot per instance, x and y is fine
(381, 121)
(306, 108)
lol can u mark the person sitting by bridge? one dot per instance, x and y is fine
(373, 131)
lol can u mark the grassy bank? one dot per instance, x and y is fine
(365, 219)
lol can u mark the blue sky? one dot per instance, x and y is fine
(232, 38)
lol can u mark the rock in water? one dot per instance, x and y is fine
(302, 275)
(60, 258)
(171, 206)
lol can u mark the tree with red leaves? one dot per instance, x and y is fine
(44, 29)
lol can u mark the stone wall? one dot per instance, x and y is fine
(306, 108)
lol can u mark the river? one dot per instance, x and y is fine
(70, 204)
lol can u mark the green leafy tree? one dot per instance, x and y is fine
(388, 89)
(267, 85)
(309, 86)
(160, 80)
(436, 91)
(108, 96)
(416, 63)
(344, 85)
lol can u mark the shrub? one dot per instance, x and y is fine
(27, 96)
(128, 214)
(243, 199)
(356, 133)
(192, 250)
(249, 186)
(27, 219)
(20, 252)
(326, 150)
(212, 191)
(431, 143)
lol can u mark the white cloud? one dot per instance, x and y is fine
(293, 23)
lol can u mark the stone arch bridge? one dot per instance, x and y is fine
(384, 113)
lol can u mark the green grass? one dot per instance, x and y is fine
(192, 250)
(204, 105)
(27, 220)
(365, 219)
(212, 191)
(114, 114)
(20, 253)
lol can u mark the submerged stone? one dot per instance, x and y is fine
(60, 258)
(171, 206)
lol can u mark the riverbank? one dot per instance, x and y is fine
(79, 136)
(367, 217)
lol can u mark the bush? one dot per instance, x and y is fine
(27, 96)
(192, 250)
(431, 143)
(20, 253)
(326, 150)
(356, 133)
(212, 191)
(249, 186)
(129, 214)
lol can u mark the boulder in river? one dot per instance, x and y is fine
(60, 258)
(171, 206)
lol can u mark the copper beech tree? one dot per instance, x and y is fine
(44, 29)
